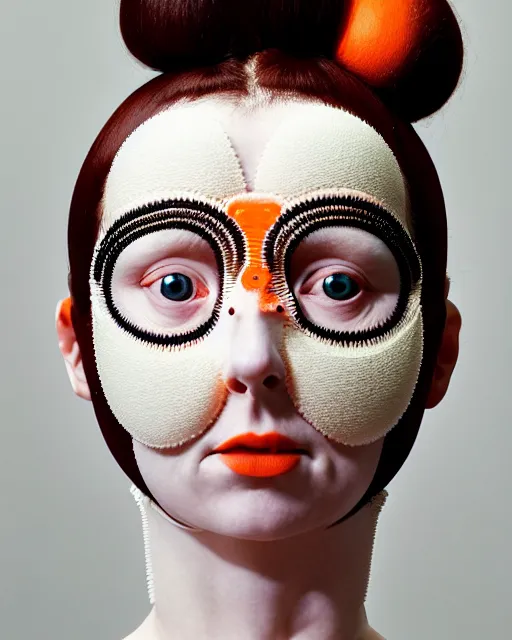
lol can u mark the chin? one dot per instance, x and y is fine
(266, 517)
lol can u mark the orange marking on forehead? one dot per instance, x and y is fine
(255, 218)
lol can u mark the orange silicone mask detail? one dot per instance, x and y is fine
(380, 36)
(255, 218)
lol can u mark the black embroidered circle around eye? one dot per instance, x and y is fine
(177, 287)
(340, 286)
(211, 224)
(303, 219)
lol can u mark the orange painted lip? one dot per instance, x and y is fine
(260, 456)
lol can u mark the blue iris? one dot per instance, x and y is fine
(177, 287)
(339, 286)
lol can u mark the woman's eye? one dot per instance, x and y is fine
(340, 286)
(177, 287)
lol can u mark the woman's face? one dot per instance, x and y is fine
(229, 280)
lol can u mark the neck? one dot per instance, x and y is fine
(204, 585)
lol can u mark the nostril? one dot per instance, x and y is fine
(271, 382)
(236, 386)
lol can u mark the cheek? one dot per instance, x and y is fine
(354, 468)
(355, 395)
(162, 469)
(162, 397)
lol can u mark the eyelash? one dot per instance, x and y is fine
(199, 292)
(361, 282)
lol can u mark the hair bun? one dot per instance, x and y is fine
(167, 35)
(409, 51)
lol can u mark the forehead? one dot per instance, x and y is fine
(219, 147)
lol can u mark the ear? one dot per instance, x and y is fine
(70, 350)
(447, 355)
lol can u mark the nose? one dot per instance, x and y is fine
(254, 364)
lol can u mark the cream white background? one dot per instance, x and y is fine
(71, 554)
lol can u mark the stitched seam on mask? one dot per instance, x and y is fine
(223, 247)
(177, 205)
(141, 499)
(206, 226)
(176, 340)
(352, 204)
(376, 505)
(302, 219)
(333, 335)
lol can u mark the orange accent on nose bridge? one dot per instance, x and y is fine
(255, 217)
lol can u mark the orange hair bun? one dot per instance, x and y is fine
(412, 48)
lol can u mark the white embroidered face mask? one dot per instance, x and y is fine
(182, 239)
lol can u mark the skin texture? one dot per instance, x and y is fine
(249, 558)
